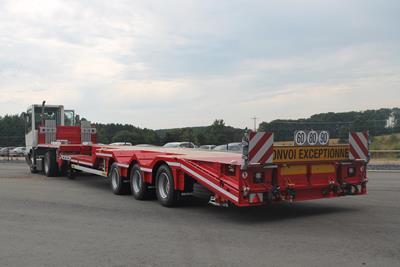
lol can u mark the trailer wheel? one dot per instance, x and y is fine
(140, 189)
(166, 193)
(118, 185)
(50, 164)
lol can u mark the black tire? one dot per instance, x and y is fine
(119, 185)
(50, 164)
(29, 161)
(71, 173)
(165, 191)
(140, 190)
(63, 170)
(199, 191)
(33, 169)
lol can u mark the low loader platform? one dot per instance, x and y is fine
(262, 174)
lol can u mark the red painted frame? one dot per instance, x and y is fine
(218, 171)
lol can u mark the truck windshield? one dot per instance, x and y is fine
(69, 117)
(50, 113)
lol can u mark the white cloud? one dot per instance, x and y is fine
(180, 63)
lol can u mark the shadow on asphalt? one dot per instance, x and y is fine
(282, 211)
(248, 215)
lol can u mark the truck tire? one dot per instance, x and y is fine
(63, 170)
(199, 191)
(29, 160)
(33, 169)
(117, 182)
(70, 173)
(165, 190)
(50, 164)
(140, 190)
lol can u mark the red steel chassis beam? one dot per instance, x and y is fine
(221, 172)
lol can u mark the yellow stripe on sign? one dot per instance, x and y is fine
(323, 168)
(294, 170)
(287, 154)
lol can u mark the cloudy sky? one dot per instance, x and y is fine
(163, 64)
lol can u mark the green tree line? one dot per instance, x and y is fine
(217, 133)
(12, 130)
(338, 125)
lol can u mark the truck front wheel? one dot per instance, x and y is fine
(165, 189)
(30, 160)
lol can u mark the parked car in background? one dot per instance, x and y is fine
(121, 144)
(5, 151)
(180, 145)
(207, 147)
(231, 147)
(18, 151)
(145, 145)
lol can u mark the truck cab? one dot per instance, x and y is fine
(47, 126)
(36, 116)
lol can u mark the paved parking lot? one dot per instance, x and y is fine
(61, 222)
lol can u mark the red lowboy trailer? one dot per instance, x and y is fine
(262, 174)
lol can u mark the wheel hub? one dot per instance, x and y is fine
(114, 180)
(163, 185)
(137, 181)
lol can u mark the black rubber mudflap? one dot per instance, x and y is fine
(200, 191)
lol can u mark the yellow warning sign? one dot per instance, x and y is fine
(286, 154)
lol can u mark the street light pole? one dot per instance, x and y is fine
(255, 123)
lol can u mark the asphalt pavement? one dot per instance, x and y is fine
(60, 222)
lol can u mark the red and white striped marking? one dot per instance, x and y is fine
(204, 180)
(358, 145)
(261, 146)
(81, 162)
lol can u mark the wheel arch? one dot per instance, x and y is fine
(179, 176)
(167, 197)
